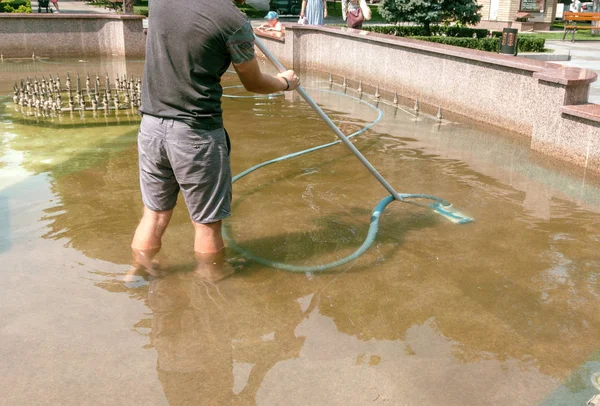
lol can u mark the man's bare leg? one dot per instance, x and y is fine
(148, 239)
(208, 239)
(210, 252)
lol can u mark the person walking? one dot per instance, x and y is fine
(315, 11)
(55, 4)
(355, 12)
(182, 143)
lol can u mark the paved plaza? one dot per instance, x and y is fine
(73, 7)
(584, 54)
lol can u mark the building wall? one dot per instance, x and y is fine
(507, 14)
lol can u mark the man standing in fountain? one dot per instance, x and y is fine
(182, 143)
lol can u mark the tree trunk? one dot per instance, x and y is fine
(128, 6)
(596, 31)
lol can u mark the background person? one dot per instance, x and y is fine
(355, 12)
(55, 4)
(315, 11)
(273, 23)
(182, 144)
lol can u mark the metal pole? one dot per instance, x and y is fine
(330, 123)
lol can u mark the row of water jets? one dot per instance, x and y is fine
(377, 97)
(47, 97)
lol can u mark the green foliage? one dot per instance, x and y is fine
(23, 9)
(15, 6)
(580, 35)
(430, 12)
(140, 10)
(531, 44)
(399, 31)
(411, 31)
(250, 11)
(461, 36)
(425, 12)
(525, 44)
(458, 31)
(482, 44)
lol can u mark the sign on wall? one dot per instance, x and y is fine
(532, 5)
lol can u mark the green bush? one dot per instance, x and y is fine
(528, 43)
(15, 6)
(430, 13)
(483, 44)
(140, 10)
(525, 44)
(250, 11)
(399, 31)
(23, 9)
(436, 30)
(455, 31)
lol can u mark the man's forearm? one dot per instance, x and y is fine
(268, 84)
(256, 81)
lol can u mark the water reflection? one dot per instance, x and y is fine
(248, 341)
(215, 342)
(192, 337)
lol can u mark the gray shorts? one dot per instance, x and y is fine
(174, 156)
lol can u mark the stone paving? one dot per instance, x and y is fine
(584, 54)
(73, 7)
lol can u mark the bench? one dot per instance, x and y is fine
(572, 22)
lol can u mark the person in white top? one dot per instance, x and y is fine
(575, 6)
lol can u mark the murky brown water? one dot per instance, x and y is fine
(501, 311)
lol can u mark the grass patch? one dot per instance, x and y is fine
(559, 26)
(140, 10)
(585, 35)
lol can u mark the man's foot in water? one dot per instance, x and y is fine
(143, 263)
(213, 267)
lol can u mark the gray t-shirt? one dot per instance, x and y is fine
(189, 46)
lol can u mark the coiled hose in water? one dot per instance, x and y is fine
(440, 205)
